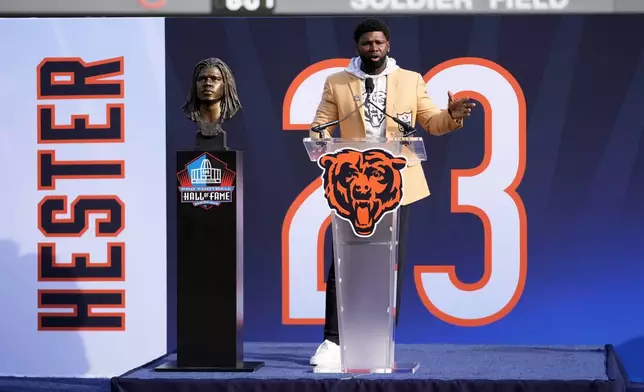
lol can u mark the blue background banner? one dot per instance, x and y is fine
(583, 188)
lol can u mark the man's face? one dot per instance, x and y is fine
(373, 48)
(210, 85)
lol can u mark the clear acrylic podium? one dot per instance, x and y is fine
(365, 271)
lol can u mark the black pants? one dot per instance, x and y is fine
(331, 313)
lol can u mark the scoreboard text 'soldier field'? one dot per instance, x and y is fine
(458, 5)
(245, 8)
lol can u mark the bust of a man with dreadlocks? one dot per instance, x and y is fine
(212, 100)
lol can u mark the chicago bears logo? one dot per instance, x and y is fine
(362, 186)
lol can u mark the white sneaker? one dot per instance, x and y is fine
(327, 355)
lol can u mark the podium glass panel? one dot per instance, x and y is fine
(412, 148)
(365, 268)
(365, 287)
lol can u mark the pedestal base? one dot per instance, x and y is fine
(173, 366)
(402, 367)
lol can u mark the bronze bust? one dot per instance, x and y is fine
(211, 101)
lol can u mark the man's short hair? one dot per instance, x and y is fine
(370, 25)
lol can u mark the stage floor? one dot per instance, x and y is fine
(444, 367)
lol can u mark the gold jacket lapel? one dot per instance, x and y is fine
(356, 93)
(392, 93)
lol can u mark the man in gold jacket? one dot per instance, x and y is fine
(400, 93)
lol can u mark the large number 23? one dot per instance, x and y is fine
(488, 191)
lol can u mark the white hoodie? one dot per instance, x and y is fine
(375, 123)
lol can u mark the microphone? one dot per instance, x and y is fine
(368, 85)
(408, 129)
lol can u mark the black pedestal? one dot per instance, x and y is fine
(210, 263)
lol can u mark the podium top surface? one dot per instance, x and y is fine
(412, 148)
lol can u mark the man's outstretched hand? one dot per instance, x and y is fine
(459, 108)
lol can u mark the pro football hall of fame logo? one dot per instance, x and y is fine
(206, 182)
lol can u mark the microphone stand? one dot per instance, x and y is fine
(408, 129)
(320, 128)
